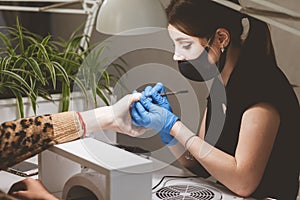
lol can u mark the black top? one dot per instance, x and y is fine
(256, 82)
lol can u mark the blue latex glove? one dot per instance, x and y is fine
(149, 115)
(155, 92)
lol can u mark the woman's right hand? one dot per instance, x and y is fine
(149, 115)
(30, 189)
(155, 95)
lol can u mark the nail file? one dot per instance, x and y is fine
(174, 93)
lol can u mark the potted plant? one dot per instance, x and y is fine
(33, 66)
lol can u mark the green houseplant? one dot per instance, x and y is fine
(33, 66)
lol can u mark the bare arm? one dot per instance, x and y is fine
(26, 137)
(184, 157)
(242, 172)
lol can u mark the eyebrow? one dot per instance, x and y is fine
(181, 39)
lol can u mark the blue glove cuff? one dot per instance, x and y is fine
(166, 137)
(171, 122)
(172, 142)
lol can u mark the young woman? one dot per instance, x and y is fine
(257, 152)
(26, 137)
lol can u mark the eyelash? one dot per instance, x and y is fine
(187, 46)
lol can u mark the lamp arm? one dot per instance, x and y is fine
(55, 8)
(90, 7)
(57, 5)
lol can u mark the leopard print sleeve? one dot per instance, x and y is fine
(26, 137)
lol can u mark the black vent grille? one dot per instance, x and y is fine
(186, 192)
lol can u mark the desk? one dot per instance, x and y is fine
(122, 169)
(161, 169)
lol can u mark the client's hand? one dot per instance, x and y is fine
(146, 114)
(122, 121)
(30, 189)
(115, 117)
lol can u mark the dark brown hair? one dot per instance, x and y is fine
(201, 18)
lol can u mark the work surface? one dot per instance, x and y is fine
(161, 170)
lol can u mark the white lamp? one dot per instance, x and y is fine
(130, 16)
(114, 17)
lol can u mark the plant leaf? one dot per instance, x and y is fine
(43, 51)
(93, 88)
(36, 69)
(19, 103)
(102, 96)
(65, 97)
(18, 78)
(52, 73)
(20, 35)
(62, 72)
(46, 40)
(119, 68)
(6, 41)
(78, 82)
(6, 63)
(33, 103)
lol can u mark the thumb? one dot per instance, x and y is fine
(21, 194)
(135, 96)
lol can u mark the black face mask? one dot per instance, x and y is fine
(200, 69)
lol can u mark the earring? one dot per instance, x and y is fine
(222, 49)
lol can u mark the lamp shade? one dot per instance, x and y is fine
(129, 17)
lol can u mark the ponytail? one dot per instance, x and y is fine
(258, 43)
